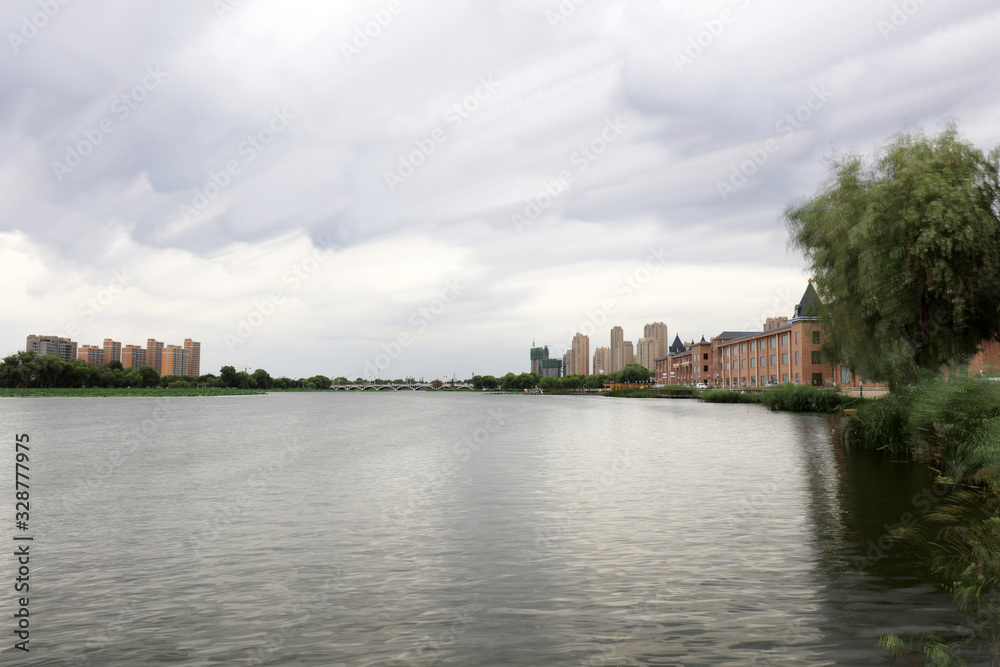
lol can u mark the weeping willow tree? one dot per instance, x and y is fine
(905, 250)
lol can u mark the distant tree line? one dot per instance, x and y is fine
(47, 371)
(632, 373)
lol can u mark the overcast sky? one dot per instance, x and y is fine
(304, 186)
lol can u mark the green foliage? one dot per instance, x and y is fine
(320, 381)
(150, 376)
(123, 392)
(632, 373)
(730, 396)
(631, 393)
(883, 424)
(802, 398)
(905, 250)
(228, 375)
(263, 379)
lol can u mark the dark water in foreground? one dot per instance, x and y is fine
(452, 529)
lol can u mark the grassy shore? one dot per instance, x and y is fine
(122, 393)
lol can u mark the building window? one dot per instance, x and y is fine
(774, 342)
(796, 377)
(744, 348)
(744, 366)
(796, 337)
(845, 375)
(751, 345)
(817, 357)
(815, 338)
(704, 357)
(763, 362)
(796, 358)
(774, 379)
(753, 381)
(784, 340)
(774, 360)
(784, 357)
(705, 369)
(752, 360)
(817, 379)
(784, 378)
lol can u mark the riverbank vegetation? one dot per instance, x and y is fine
(122, 392)
(905, 250)
(788, 397)
(632, 373)
(30, 371)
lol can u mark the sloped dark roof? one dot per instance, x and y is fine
(733, 335)
(677, 345)
(809, 305)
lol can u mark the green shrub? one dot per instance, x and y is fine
(631, 393)
(730, 396)
(883, 424)
(802, 398)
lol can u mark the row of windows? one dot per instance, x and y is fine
(753, 345)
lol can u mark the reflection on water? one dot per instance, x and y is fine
(452, 529)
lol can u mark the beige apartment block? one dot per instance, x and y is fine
(194, 352)
(112, 351)
(154, 354)
(93, 355)
(602, 361)
(133, 356)
(581, 354)
(175, 361)
(658, 332)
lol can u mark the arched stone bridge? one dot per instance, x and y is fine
(414, 386)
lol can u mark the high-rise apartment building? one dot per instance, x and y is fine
(645, 351)
(112, 351)
(602, 360)
(581, 354)
(133, 356)
(617, 360)
(628, 353)
(194, 351)
(64, 348)
(93, 355)
(658, 332)
(175, 360)
(154, 354)
(569, 364)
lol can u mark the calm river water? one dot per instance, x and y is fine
(457, 529)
